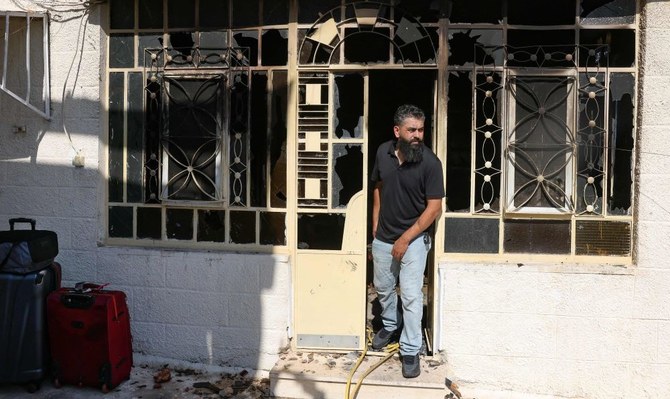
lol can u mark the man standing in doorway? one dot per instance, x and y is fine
(407, 197)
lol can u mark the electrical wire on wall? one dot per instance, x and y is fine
(59, 11)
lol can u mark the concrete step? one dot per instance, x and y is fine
(324, 376)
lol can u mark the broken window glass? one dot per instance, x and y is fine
(122, 14)
(591, 143)
(120, 221)
(274, 47)
(245, 13)
(181, 49)
(116, 137)
(471, 235)
(459, 142)
(181, 14)
(541, 48)
(607, 12)
(318, 45)
(150, 14)
(135, 137)
(242, 227)
(179, 223)
(348, 102)
(239, 139)
(258, 145)
(366, 13)
(537, 236)
(366, 47)
(421, 48)
(149, 44)
(249, 41)
(152, 139)
(214, 14)
(482, 46)
(191, 139)
(617, 44)
(149, 223)
(425, 10)
(273, 228)
(540, 12)
(474, 11)
(211, 225)
(121, 51)
(320, 231)
(278, 139)
(545, 37)
(348, 173)
(622, 143)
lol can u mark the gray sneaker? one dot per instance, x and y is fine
(382, 338)
(411, 366)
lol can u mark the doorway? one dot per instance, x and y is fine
(342, 118)
(389, 89)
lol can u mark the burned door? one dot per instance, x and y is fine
(331, 206)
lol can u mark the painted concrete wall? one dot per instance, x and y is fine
(215, 308)
(600, 331)
(573, 330)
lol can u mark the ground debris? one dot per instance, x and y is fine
(162, 375)
(206, 385)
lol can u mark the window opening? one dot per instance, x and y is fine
(373, 32)
(186, 126)
(24, 58)
(184, 150)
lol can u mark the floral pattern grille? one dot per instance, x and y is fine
(410, 40)
(540, 145)
(239, 139)
(186, 93)
(488, 131)
(555, 134)
(191, 138)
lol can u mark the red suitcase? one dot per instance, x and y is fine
(89, 332)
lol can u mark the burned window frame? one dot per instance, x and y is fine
(142, 56)
(480, 182)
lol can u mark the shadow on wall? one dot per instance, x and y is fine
(217, 308)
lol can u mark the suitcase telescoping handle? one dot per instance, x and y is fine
(84, 286)
(13, 221)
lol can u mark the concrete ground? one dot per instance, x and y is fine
(184, 383)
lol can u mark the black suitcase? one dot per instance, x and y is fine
(24, 350)
(26, 251)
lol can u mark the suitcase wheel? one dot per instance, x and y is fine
(105, 377)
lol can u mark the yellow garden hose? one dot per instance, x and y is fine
(390, 351)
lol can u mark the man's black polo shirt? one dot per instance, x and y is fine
(405, 189)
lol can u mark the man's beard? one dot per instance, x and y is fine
(409, 151)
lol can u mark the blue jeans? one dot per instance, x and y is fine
(409, 270)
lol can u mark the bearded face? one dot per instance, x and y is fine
(410, 139)
(411, 150)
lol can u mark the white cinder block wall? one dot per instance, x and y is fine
(546, 329)
(221, 309)
(572, 330)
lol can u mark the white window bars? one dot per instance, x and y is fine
(25, 36)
